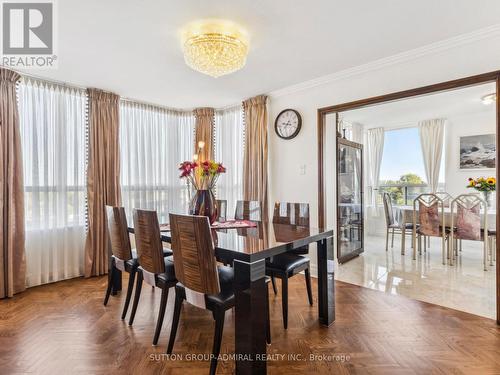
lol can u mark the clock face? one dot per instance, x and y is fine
(288, 124)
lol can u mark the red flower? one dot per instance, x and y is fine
(187, 167)
(221, 168)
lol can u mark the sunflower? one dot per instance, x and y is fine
(491, 181)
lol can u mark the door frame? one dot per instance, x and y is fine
(425, 90)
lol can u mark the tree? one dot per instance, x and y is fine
(411, 179)
(396, 189)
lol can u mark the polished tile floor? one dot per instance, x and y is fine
(464, 286)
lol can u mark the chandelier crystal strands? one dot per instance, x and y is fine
(215, 47)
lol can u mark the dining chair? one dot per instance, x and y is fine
(431, 222)
(286, 265)
(221, 210)
(123, 257)
(202, 282)
(445, 197)
(467, 225)
(393, 227)
(248, 210)
(155, 269)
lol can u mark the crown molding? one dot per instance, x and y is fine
(443, 45)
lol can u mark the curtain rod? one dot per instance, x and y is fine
(394, 126)
(178, 110)
(122, 98)
(50, 80)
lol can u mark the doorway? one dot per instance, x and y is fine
(372, 111)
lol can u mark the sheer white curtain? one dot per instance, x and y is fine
(431, 139)
(153, 141)
(229, 138)
(53, 133)
(374, 151)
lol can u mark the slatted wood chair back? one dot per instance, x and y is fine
(248, 210)
(291, 213)
(430, 215)
(468, 217)
(118, 233)
(388, 210)
(148, 241)
(194, 259)
(221, 210)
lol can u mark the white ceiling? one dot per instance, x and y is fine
(133, 48)
(405, 112)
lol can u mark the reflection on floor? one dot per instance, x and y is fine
(464, 287)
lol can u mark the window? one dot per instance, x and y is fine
(402, 172)
(53, 134)
(153, 141)
(229, 149)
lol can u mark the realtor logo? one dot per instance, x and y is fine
(28, 34)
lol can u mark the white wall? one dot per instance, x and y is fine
(472, 124)
(286, 157)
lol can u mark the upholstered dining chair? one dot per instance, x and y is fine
(202, 282)
(445, 197)
(466, 223)
(221, 210)
(286, 265)
(123, 257)
(393, 227)
(155, 269)
(248, 210)
(429, 209)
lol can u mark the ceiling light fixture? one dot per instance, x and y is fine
(489, 99)
(215, 47)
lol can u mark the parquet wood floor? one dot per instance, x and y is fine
(63, 328)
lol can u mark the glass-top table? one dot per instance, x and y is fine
(247, 249)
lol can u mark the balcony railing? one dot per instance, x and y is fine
(402, 194)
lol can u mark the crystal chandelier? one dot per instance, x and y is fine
(215, 47)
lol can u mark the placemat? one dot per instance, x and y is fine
(230, 224)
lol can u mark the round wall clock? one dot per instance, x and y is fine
(288, 123)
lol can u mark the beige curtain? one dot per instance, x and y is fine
(204, 132)
(431, 134)
(255, 159)
(103, 176)
(12, 256)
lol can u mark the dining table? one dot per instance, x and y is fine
(247, 250)
(404, 214)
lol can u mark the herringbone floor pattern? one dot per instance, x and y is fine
(63, 328)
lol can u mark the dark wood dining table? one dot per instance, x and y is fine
(247, 250)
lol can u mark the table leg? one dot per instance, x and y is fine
(326, 282)
(250, 317)
(403, 240)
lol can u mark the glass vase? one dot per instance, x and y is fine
(487, 198)
(204, 204)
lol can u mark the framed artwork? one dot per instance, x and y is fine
(478, 152)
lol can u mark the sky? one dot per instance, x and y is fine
(403, 154)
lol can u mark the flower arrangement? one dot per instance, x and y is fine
(483, 184)
(202, 176)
